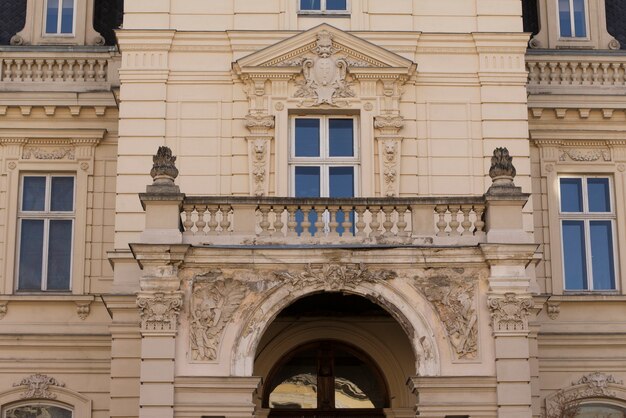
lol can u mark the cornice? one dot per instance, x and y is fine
(80, 137)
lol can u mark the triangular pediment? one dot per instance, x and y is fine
(289, 55)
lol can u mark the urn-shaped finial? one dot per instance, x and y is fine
(163, 171)
(502, 171)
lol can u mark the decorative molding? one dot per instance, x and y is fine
(214, 301)
(324, 77)
(83, 309)
(259, 125)
(452, 292)
(333, 277)
(510, 312)
(585, 155)
(389, 153)
(389, 124)
(48, 154)
(159, 310)
(597, 384)
(38, 386)
(4, 307)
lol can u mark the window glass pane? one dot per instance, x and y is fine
(579, 18)
(310, 4)
(574, 258)
(295, 384)
(59, 254)
(307, 138)
(341, 181)
(34, 194)
(599, 195)
(356, 385)
(601, 411)
(67, 16)
(31, 253)
(565, 18)
(62, 199)
(52, 16)
(602, 263)
(37, 411)
(307, 181)
(341, 137)
(336, 5)
(571, 195)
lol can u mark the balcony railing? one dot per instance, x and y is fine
(576, 72)
(323, 221)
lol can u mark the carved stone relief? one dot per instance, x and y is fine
(389, 152)
(38, 386)
(324, 76)
(159, 311)
(259, 142)
(333, 277)
(510, 312)
(214, 301)
(48, 153)
(453, 293)
(3, 309)
(585, 155)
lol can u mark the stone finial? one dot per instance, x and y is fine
(163, 171)
(502, 171)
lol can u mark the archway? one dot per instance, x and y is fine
(322, 334)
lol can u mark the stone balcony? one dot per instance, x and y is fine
(62, 69)
(576, 72)
(210, 220)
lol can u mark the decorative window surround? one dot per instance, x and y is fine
(63, 151)
(34, 31)
(597, 34)
(322, 70)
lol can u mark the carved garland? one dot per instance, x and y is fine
(510, 313)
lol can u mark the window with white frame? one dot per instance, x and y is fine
(59, 18)
(45, 228)
(587, 216)
(36, 410)
(323, 6)
(572, 18)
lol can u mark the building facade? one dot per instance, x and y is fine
(313, 208)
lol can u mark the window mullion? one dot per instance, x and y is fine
(44, 254)
(571, 17)
(587, 231)
(59, 15)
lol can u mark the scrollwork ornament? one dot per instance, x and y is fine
(213, 304)
(333, 277)
(12, 165)
(510, 312)
(38, 386)
(159, 311)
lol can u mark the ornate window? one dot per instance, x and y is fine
(37, 410)
(323, 6)
(572, 18)
(587, 216)
(324, 156)
(598, 410)
(45, 224)
(326, 376)
(59, 17)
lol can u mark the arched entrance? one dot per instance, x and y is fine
(327, 379)
(332, 354)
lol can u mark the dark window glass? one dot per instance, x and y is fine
(67, 16)
(356, 386)
(62, 199)
(295, 384)
(31, 254)
(336, 5)
(59, 254)
(307, 181)
(34, 194)
(602, 262)
(580, 18)
(341, 137)
(565, 19)
(37, 411)
(52, 16)
(307, 138)
(571, 195)
(310, 4)
(574, 255)
(341, 181)
(599, 195)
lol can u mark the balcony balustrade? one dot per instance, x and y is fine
(324, 221)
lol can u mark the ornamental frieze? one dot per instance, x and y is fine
(48, 153)
(452, 292)
(588, 155)
(333, 277)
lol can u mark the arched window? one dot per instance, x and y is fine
(597, 410)
(37, 410)
(326, 376)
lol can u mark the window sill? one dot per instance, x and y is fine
(323, 14)
(48, 297)
(591, 296)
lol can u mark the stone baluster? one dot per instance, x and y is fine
(319, 222)
(402, 223)
(466, 224)
(200, 223)
(441, 223)
(188, 223)
(213, 223)
(306, 222)
(265, 223)
(292, 223)
(346, 224)
(360, 221)
(375, 223)
(333, 224)
(388, 223)
(278, 220)
(479, 224)
(454, 221)
(224, 222)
